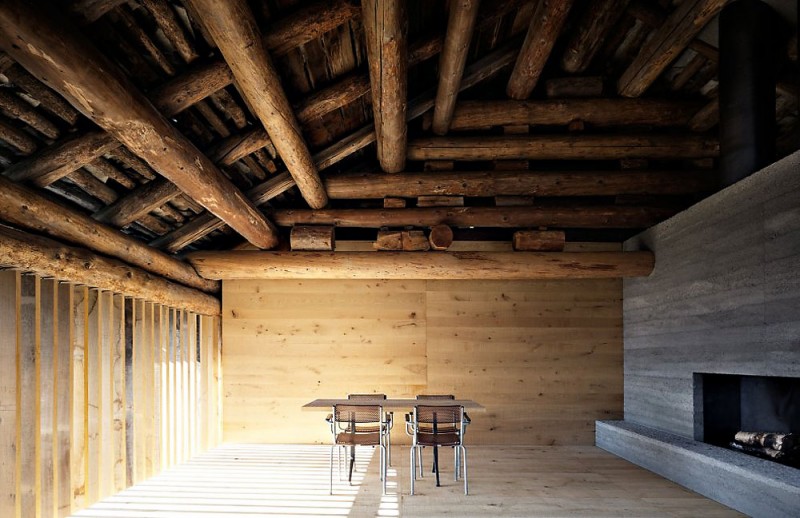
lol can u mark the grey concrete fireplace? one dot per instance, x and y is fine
(723, 300)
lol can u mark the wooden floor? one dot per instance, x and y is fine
(247, 480)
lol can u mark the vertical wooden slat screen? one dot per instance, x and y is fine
(98, 391)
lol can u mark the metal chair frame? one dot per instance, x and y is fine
(344, 424)
(389, 420)
(423, 428)
(436, 397)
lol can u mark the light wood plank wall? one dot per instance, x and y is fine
(84, 384)
(544, 357)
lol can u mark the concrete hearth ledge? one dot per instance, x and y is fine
(753, 486)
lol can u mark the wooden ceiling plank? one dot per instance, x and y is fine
(582, 216)
(26, 209)
(668, 42)
(595, 24)
(544, 29)
(385, 32)
(563, 147)
(460, 27)
(233, 28)
(49, 100)
(248, 264)
(19, 109)
(103, 168)
(128, 209)
(600, 112)
(308, 23)
(38, 38)
(16, 137)
(167, 21)
(49, 258)
(371, 185)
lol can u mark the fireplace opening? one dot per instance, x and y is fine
(757, 415)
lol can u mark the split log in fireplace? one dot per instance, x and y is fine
(780, 447)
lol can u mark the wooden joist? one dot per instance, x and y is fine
(515, 183)
(585, 216)
(422, 265)
(545, 26)
(38, 38)
(539, 240)
(50, 258)
(460, 27)
(235, 32)
(600, 112)
(589, 35)
(385, 28)
(563, 147)
(312, 238)
(24, 208)
(672, 38)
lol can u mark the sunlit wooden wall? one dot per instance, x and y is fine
(544, 357)
(97, 392)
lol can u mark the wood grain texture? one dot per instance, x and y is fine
(544, 357)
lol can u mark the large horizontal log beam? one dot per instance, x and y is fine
(26, 209)
(516, 183)
(422, 265)
(38, 39)
(234, 29)
(50, 258)
(588, 216)
(563, 147)
(597, 112)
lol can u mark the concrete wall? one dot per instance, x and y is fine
(724, 296)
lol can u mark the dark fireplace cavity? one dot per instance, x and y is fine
(726, 404)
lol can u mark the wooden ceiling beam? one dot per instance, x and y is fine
(26, 209)
(600, 112)
(385, 28)
(422, 265)
(234, 29)
(460, 26)
(49, 258)
(668, 42)
(584, 216)
(590, 33)
(369, 185)
(37, 37)
(544, 29)
(563, 147)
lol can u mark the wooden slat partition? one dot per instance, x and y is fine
(83, 392)
(544, 357)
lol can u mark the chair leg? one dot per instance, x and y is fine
(419, 458)
(464, 456)
(384, 460)
(413, 468)
(331, 462)
(455, 461)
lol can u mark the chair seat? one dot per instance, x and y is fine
(359, 439)
(438, 439)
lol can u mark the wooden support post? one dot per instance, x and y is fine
(24, 208)
(679, 29)
(52, 259)
(234, 30)
(539, 240)
(583, 147)
(422, 265)
(312, 238)
(406, 240)
(460, 27)
(545, 26)
(37, 37)
(385, 27)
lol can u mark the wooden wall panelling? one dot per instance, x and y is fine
(192, 381)
(153, 439)
(117, 357)
(9, 285)
(171, 411)
(132, 385)
(94, 367)
(45, 411)
(162, 319)
(184, 387)
(147, 373)
(136, 396)
(27, 394)
(106, 459)
(63, 372)
(216, 379)
(79, 431)
(205, 374)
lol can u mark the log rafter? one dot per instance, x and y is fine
(39, 39)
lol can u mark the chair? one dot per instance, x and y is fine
(437, 426)
(436, 397)
(389, 420)
(358, 425)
